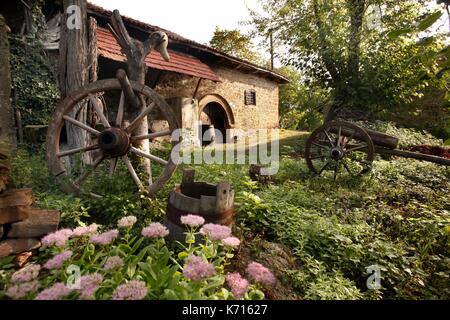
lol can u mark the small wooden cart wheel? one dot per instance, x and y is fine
(339, 146)
(109, 140)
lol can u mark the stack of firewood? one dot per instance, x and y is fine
(21, 226)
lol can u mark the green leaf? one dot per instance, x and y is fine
(447, 142)
(429, 21)
(183, 255)
(394, 34)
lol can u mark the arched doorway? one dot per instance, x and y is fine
(215, 111)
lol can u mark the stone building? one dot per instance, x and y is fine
(206, 86)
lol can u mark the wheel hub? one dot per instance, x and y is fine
(114, 142)
(337, 153)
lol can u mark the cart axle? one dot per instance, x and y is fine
(114, 142)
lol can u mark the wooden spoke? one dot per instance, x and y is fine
(336, 171)
(318, 157)
(132, 172)
(81, 125)
(320, 145)
(329, 137)
(344, 163)
(356, 148)
(73, 151)
(112, 167)
(121, 110)
(148, 156)
(152, 135)
(99, 111)
(136, 122)
(324, 167)
(349, 138)
(89, 172)
(339, 137)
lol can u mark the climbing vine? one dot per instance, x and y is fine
(35, 88)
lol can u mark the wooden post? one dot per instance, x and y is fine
(7, 130)
(74, 69)
(136, 52)
(188, 176)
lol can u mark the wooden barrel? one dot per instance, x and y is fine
(215, 203)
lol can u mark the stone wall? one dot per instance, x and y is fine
(231, 88)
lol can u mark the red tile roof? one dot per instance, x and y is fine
(173, 37)
(181, 63)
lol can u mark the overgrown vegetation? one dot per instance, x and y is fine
(396, 218)
(33, 78)
(370, 57)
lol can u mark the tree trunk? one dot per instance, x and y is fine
(74, 71)
(7, 128)
(356, 9)
(136, 53)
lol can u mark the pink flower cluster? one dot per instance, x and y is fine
(104, 238)
(113, 263)
(56, 292)
(26, 274)
(155, 230)
(133, 290)
(237, 284)
(260, 274)
(231, 242)
(58, 261)
(58, 238)
(127, 222)
(215, 231)
(21, 290)
(192, 220)
(89, 284)
(198, 269)
(85, 231)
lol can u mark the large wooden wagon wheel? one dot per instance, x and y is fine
(339, 146)
(110, 139)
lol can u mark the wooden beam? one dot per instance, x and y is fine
(196, 88)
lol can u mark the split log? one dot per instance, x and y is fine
(38, 224)
(4, 177)
(15, 246)
(14, 214)
(4, 165)
(13, 198)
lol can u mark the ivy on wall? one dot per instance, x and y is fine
(33, 79)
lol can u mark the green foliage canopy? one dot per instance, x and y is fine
(236, 44)
(343, 45)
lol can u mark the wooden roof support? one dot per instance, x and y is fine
(196, 88)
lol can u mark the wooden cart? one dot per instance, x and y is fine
(341, 146)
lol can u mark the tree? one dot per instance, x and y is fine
(301, 102)
(338, 43)
(234, 43)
